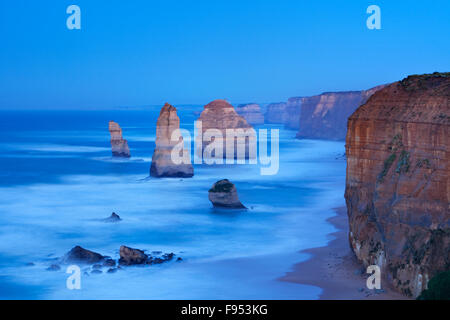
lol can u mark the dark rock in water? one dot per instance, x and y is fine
(97, 266)
(30, 264)
(157, 261)
(96, 271)
(179, 259)
(168, 256)
(130, 256)
(223, 194)
(113, 218)
(81, 255)
(54, 267)
(112, 270)
(109, 263)
(156, 252)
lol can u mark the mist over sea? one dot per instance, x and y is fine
(58, 180)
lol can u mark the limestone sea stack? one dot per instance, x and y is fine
(163, 164)
(223, 194)
(119, 145)
(219, 116)
(251, 112)
(398, 186)
(325, 116)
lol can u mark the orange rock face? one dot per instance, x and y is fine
(119, 146)
(163, 164)
(398, 187)
(218, 117)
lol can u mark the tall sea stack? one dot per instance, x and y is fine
(162, 162)
(398, 186)
(119, 146)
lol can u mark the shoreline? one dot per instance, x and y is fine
(335, 269)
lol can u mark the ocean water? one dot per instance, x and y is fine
(58, 180)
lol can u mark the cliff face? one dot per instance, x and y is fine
(325, 116)
(284, 113)
(251, 112)
(398, 187)
(162, 162)
(119, 146)
(293, 109)
(276, 113)
(218, 116)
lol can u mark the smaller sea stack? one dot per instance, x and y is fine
(223, 194)
(119, 145)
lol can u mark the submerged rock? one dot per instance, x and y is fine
(223, 194)
(113, 218)
(54, 267)
(81, 255)
(130, 256)
(162, 162)
(109, 263)
(119, 145)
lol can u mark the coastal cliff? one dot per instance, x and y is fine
(276, 113)
(293, 110)
(216, 119)
(162, 163)
(284, 113)
(325, 116)
(119, 146)
(251, 112)
(398, 187)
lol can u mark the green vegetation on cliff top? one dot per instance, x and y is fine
(438, 288)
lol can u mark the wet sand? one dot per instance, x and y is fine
(335, 269)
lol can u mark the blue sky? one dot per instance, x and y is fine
(136, 52)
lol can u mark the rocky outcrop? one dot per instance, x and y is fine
(119, 145)
(113, 218)
(81, 255)
(251, 112)
(276, 113)
(163, 164)
(219, 116)
(398, 187)
(130, 256)
(223, 194)
(325, 116)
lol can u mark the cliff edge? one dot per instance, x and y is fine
(398, 187)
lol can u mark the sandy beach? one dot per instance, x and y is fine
(335, 269)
